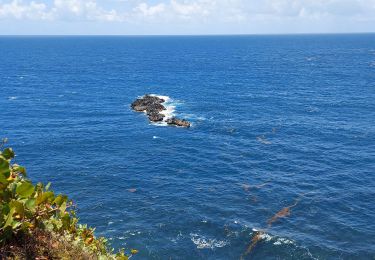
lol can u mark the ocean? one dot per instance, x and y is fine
(281, 150)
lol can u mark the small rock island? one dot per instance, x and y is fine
(153, 106)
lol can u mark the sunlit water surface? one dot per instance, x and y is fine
(278, 122)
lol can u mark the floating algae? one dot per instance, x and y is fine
(254, 241)
(282, 213)
(258, 235)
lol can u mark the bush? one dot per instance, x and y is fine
(34, 221)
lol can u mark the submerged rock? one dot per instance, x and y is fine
(152, 106)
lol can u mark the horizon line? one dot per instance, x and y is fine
(182, 35)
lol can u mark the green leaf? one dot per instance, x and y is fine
(9, 220)
(17, 206)
(19, 169)
(16, 224)
(25, 190)
(30, 204)
(8, 153)
(63, 207)
(60, 199)
(66, 220)
(4, 170)
(46, 196)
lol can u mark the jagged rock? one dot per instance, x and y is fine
(139, 108)
(142, 104)
(178, 122)
(153, 107)
(156, 117)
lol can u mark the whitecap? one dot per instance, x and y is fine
(274, 239)
(12, 98)
(169, 112)
(166, 98)
(266, 237)
(283, 241)
(262, 139)
(207, 243)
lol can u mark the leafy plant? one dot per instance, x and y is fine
(26, 208)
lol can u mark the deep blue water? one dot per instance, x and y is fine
(277, 121)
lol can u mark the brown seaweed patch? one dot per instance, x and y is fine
(258, 235)
(284, 212)
(254, 241)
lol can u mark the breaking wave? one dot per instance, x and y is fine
(207, 243)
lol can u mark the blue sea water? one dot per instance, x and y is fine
(278, 122)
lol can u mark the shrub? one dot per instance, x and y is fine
(35, 221)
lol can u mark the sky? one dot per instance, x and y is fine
(184, 17)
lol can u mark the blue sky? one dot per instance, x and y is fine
(185, 16)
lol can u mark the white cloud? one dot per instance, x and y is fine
(148, 10)
(16, 9)
(188, 9)
(219, 13)
(90, 10)
(60, 9)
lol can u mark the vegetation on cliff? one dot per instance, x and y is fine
(36, 223)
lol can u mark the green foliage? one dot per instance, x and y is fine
(25, 207)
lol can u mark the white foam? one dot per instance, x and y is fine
(266, 237)
(276, 240)
(12, 98)
(283, 241)
(169, 111)
(166, 98)
(262, 139)
(202, 242)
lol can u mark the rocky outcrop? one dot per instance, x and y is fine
(153, 107)
(178, 122)
(148, 102)
(156, 117)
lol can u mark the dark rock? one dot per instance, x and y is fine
(156, 117)
(139, 108)
(154, 108)
(178, 122)
(152, 105)
(141, 104)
